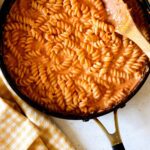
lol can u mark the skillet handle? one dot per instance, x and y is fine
(118, 147)
(115, 138)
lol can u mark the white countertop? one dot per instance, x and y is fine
(134, 122)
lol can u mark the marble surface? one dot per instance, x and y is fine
(134, 122)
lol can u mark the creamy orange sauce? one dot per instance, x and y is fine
(66, 55)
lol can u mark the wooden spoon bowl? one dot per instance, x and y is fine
(121, 17)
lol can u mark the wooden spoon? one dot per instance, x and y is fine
(120, 16)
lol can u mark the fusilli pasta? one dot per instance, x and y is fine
(66, 56)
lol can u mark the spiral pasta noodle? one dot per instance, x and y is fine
(66, 56)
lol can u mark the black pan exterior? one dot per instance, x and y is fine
(3, 12)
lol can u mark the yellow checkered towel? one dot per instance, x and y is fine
(23, 127)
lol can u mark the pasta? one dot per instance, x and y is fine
(66, 56)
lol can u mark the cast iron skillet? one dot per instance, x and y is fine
(3, 12)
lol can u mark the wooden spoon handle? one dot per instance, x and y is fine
(135, 35)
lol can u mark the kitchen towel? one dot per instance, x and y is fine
(25, 128)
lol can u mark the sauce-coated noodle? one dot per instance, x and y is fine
(66, 56)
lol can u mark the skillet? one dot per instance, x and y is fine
(115, 138)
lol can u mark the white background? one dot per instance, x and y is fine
(134, 122)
